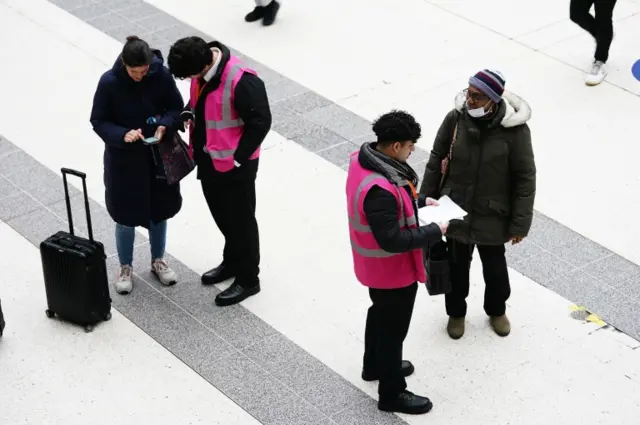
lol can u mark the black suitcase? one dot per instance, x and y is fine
(75, 272)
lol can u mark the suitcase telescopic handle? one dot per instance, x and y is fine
(74, 173)
(82, 176)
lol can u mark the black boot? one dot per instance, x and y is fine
(255, 15)
(406, 402)
(406, 368)
(237, 293)
(270, 13)
(217, 275)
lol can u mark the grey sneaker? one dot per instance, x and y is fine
(597, 74)
(124, 284)
(163, 272)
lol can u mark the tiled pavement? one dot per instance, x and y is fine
(261, 370)
(251, 362)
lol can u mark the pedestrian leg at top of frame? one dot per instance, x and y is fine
(265, 10)
(600, 27)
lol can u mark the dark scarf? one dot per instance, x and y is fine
(398, 173)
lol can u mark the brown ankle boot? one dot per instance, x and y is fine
(501, 325)
(455, 327)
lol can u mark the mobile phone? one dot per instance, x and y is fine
(151, 140)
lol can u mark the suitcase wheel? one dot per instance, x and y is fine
(50, 314)
(107, 317)
(88, 328)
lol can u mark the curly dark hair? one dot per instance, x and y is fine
(396, 126)
(189, 56)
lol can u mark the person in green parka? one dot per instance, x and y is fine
(483, 160)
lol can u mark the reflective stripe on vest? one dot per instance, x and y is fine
(364, 228)
(371, 253)
(226, 122)
(354, 219)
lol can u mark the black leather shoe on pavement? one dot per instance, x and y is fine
(235, 294)
(406, 402)
(407, 370)
(217, 275)
(270, 13)
(255, 15)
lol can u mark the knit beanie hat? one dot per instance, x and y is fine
(491, 83)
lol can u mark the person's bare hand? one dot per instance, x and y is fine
(133, 135)
(444, 226)
(430, 202)
(160, 132)
(516, 239)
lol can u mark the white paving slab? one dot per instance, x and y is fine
(55, 373)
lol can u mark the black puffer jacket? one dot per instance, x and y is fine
(492, 174)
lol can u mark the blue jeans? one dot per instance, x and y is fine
(125, 237)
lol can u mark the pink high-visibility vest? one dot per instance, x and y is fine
(374, 267)
(224, 127)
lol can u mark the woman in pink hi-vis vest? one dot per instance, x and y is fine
(387, 244)
(228, 116)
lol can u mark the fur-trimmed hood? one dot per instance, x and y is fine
(518, 111)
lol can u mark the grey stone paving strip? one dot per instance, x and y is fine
(554, 255)
(254, 365)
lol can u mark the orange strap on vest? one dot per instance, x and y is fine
(414, 192)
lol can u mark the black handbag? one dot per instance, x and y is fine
(174, 162)
(437, 267)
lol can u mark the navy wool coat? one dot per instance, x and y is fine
(135, 196)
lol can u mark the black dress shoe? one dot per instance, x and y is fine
(217, 275)
(406, 368)
(270, 13)
(255, 15)
(236, 293)
(406, 402)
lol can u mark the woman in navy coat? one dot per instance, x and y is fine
(136, 99)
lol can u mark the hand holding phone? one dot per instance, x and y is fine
(133, 135)
(160, 132)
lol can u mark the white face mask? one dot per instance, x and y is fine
(477, 112)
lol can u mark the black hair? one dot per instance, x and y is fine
(136, 52)
(189, 56)
(396, 126)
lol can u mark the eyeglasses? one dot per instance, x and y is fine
(475, 97)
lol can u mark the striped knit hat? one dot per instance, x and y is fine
(489, 82)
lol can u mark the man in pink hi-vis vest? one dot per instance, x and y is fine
(387, 245)
(228, 117)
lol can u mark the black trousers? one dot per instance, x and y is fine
(232, 203)
(600, 26)
(496, 278)
(388, 322)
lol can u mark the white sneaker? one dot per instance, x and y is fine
(597, 74)
(163, 272)
(124, 284)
